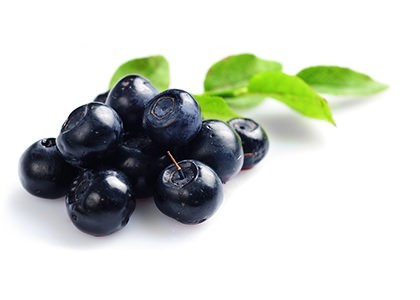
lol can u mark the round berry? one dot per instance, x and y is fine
(90, 133)
(100, 202)
(172, 118)
(43, 172)
(218, 146)
(128, 97)
(190, 195)
(254, 140)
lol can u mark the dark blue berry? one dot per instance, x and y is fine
(43, 172)
(172, 118)
(129, 97)
(90, 133)
(100, 202)
(218, 146)
(101, 97)
(190, 195)
(254, 140)
(142, 161)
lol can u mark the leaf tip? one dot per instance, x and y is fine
(383, 86)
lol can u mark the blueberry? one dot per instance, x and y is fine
(90, 133)
(142, 161)
(172, 118)
(254, 140)
(43, 172)
(190, 195)
(100, 202)
(101, 97)
(129, 97)
(218, 146)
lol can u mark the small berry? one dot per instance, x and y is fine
(172, 118)
(90, 133)
(218, 146)
(43, 172)
(254, 140)
(190, 195)
(100, 202)
(129, 97)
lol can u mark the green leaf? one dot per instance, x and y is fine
(245, 101)
(292, 91)
(213, 107)
(154, 68)
(340, 81)
(235, 72)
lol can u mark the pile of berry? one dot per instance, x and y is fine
(122, 146)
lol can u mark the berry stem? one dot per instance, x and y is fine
(177, 166)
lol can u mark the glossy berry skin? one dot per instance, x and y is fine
(254, 140)
(218, 146)
(141, 160)
(101, 97)
(172, 118)
(128, 97)
(100, 202)
(90, 133)
(43, 172)
(191, 197)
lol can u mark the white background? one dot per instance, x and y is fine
(332, 213)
